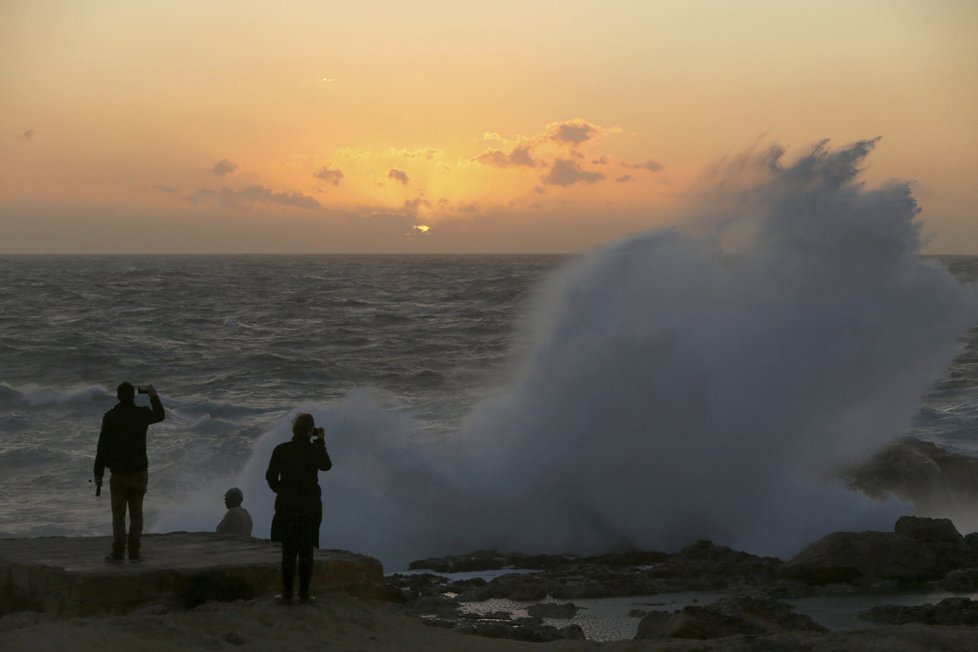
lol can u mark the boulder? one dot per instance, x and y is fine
(552, 610)
(929, 530)
(862, 557)
(745, 614)
(950, 611)
(962, 580)
(68, 575)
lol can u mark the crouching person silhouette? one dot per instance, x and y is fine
(122, 449)
(293, 474)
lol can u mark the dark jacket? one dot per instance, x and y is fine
(122, 441)
(293, 474)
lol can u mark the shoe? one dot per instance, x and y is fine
(135, 558)
(113, 558)
(307, 599)
(284, 600)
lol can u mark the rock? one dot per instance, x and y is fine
(480, 560)
(864, 556)
(746, 614)
(654, 625)
(929, 530)
(68, 575)
(962, 580)
(552, 610)
(234, 638)
(522, 632)
(950, 611)
(436, 605)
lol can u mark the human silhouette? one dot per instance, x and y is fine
(237, 521)
(122, 449)
(293, 474)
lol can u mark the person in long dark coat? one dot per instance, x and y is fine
(293, 474)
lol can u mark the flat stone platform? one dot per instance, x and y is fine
(69, 575)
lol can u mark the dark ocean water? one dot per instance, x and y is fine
(234, 343)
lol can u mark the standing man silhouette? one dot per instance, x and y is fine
(293, 474)
(122, 449)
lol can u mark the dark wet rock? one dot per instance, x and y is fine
(437, 605)
(962, 580)
(919, 550)
(521, 632)
(701, 566)
(553, 610)
(851, 557)
(950, 611)
(405, 588)
(930, 530)
(487, 560)
(480, 560)
(746, 614)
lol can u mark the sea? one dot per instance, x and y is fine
(236, 344)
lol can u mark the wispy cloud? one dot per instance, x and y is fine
(223, 168)
(566, 172)
(329, 176)
(254, 195)
(398, 175)
(519, 156)
(426, 153)
(572, 132)
(25, 136)
(651, 166)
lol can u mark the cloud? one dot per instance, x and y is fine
(26, 136)
(398, 175)
(625, 178)
(202, 195)
(421, 228)
(651, 166)
(426, 153)
(223, 167)
(574, 132)
(566, 172)
(559, 139)
(252, 196)
(519, 156)
(330, 176)
(412, 205)
(166, 190)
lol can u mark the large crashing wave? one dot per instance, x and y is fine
(707, 381)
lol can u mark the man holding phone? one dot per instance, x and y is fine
(122, 449)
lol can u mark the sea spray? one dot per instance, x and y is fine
(705, 381)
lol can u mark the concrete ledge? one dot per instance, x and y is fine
(69, 575)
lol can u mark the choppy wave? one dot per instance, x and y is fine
(36, 395)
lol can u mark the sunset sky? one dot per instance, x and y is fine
(437, 126)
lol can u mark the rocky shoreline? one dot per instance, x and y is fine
(921, 555)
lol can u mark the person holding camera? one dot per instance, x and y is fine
(122, 449)
(293, 474)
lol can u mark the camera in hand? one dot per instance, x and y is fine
(143, 389)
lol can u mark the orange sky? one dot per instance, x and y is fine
(314, 126)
